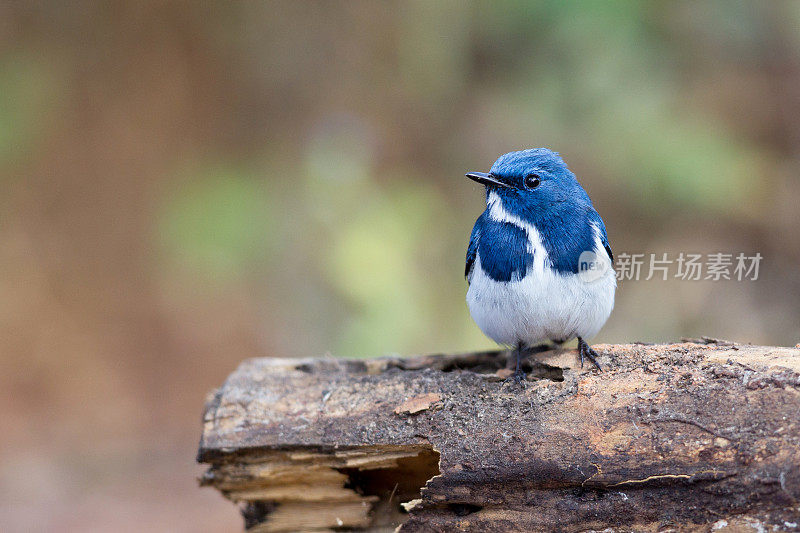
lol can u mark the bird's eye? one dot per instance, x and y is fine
(532, 181)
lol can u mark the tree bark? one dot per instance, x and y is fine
(694, 436)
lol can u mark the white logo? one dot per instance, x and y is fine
(591, 266)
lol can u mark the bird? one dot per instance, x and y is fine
(539, 265)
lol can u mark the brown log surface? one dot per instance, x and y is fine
(692, 436)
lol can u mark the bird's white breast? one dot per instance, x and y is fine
(543, 304)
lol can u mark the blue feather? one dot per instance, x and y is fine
(472, 249)
(503, 249)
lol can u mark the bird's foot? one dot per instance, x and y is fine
(587, 352)
(517, 377)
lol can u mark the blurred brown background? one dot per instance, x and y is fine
(184, 185)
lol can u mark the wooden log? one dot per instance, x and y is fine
(694, 436)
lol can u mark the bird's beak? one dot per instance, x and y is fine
(485, 179)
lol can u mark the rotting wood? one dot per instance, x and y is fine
(687, 437)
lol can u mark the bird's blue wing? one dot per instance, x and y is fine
(472, 249)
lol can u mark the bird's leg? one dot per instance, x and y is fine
(519, 375)
(515, 361)
(586, 351)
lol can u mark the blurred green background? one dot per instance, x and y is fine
(184, 185)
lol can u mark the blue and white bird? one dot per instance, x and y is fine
(539, 265)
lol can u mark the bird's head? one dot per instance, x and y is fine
(531, 183)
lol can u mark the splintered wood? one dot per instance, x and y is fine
(692, 436)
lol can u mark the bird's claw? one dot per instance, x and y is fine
(517, 377)
(587, 352)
